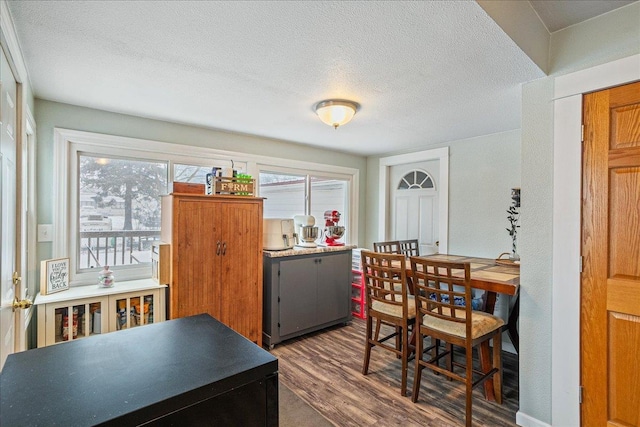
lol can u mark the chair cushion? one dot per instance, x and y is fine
(394, 309)
(481, 323)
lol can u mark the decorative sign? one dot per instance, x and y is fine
(237, 186)
(54, 275)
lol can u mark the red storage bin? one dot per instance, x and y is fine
(358, 300)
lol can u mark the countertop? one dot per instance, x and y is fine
(129, 376)
(307, 251)
(93, 291)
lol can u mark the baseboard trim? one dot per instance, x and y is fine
(525, 420)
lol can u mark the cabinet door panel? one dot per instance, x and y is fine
(196, 263)
(132, 310)
(334, 287)
(73, 320)
(297, 295)
(241, 261)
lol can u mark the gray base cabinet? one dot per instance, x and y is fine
(305, 293)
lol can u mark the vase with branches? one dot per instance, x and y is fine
(513, 217)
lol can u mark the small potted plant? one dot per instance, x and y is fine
(513, 217)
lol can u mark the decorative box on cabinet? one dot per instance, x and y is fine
(83, 311)
(305, 291)
(216, 259)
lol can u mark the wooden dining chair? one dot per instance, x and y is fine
(388, 247)
(436, 285)
(388, 303)
(409, 247)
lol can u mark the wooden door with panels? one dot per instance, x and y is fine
(610, 280)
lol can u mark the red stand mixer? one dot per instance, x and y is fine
(332, 231)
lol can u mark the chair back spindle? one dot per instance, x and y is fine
(388, 247)
(409, 247)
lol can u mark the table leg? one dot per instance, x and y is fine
(489, 302)
(512, 323)
(484, 352)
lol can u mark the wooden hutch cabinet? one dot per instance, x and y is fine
(216, 259)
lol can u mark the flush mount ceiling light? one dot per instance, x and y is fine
(336, 112)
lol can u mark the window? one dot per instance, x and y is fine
(197, 174)
(107, 196)
(289, 194)
(285, 194)
(107, 199)
(329, 194)
(119, 215)
(415, 179)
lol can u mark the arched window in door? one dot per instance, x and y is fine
(416, 179)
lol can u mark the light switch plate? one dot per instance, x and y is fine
(45, 232)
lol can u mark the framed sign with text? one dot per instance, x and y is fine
(54, 275)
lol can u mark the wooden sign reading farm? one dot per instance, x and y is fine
(237, 186)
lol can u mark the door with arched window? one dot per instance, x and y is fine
(414, 204)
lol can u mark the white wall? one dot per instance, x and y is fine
(536, 249)
(482, 172)
(603, 39)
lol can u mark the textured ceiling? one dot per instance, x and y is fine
(424, 72)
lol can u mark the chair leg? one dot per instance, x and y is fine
(450, 359)
(377, 335)
(405, 359)
(435, 352)
(367, 346)
(497, 363)
(418, 370)
(468, 410)
(469, 385)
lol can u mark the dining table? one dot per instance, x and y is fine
(493, 276)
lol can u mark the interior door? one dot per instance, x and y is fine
(610, 285)
(8, 223)
(414, 204)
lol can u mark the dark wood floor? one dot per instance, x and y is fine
(324, 369)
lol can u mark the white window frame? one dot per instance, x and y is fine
(67, 144)
(350, 175)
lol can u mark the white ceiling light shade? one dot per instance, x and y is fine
(336, 112)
